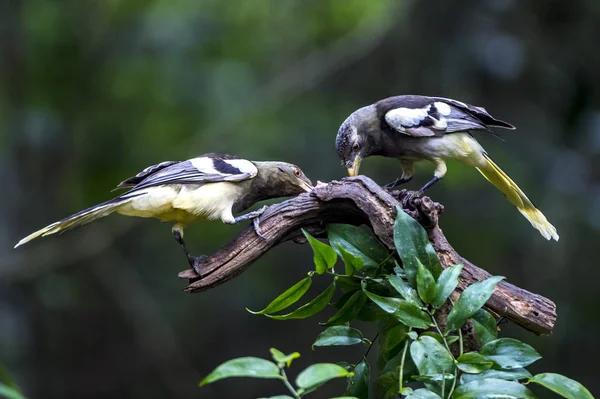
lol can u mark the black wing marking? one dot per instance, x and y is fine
(421, 116)
(208, 168)
(132, 181)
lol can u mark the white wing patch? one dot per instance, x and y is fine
(204, 165)
(400, 118)
(443, 108)
(244, 166)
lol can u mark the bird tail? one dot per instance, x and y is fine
(80, 218)
(513, 193)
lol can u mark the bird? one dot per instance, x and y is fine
(208, 187)
(412, 128)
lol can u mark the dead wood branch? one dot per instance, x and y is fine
(358, 201)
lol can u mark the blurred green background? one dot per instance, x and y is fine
(94, 91)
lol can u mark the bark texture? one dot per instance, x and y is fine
(359, 200)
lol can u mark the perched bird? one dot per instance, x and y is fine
(413, 128)
(209, 187)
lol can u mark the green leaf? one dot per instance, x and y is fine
(10, 392)
(348, 284)
(446, 284)
(357, 242)
(351, 262)
(509, 375)
(470, 301)
(431, 358)
(339, 336)
(313, 307)
(492, 388)
(485, 326)
(404, 311)
(371, 312)
(324, 256)
(408, 293)
(243, 367)
(283, 359)
(350, 309)
(358, 384)
(412, 316)
(423, 393)
(508, 353)
(473, 363)
(412, 243)
(289, 297)
(279, 397)
(563, 386)
(434, 378)
(391, 340)
(425, 283)
(318, 374)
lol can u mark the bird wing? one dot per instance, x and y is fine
(133, 181)
(208, 168)
(421, 116)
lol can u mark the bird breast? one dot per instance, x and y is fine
(185, 203)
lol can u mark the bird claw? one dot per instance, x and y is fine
(256, 224)
(392, 185)
(196, 262)
(408, 200)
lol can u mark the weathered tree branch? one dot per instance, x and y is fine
(358, 201)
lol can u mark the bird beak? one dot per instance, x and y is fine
(353, 171)
(305, 186)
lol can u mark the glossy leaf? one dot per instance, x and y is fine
(446, 284)
(425, 283)
(10, 392)
(485, 326)
(492, 388)
(339, 336)
(509, 375)
(319, 373)
(434, 378)
(243, 367)
(404, 311)
(283, 359)
(351, 263)
(288, 298)
(357, 242)
(412, 316)
(350, 309)
(391, 341)
(313, 307)
(406, 291)
(348, 284)
(508, 353)
(563, 386)
(412, 243)
(323, 255)
(470, 301)
(431, 358)
(423, 394)
(473, 363)
(358, 384)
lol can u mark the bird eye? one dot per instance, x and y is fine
(356, 146)
(297, 172)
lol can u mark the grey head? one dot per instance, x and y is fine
(282, 179)
(353, 141)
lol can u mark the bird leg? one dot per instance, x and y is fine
(194, 261)
(416, 194)
(254, 217)
(397, 182)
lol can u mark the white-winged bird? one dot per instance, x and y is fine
(209, 187)
(414, 128)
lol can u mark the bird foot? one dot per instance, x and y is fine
(409, 198)
(196, 262)
(256, 224)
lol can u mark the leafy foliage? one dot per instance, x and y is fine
(413, 347)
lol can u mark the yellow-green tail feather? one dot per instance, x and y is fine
(513, 193)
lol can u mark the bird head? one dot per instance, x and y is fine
(351, 142)
(284, 179)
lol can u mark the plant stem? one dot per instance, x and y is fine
(439, 331)
(460, 341)
(289, 386)
(453, 384)
(401, 376)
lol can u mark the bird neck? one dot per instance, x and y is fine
(264, 186)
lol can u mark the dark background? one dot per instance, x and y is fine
(94, 91)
